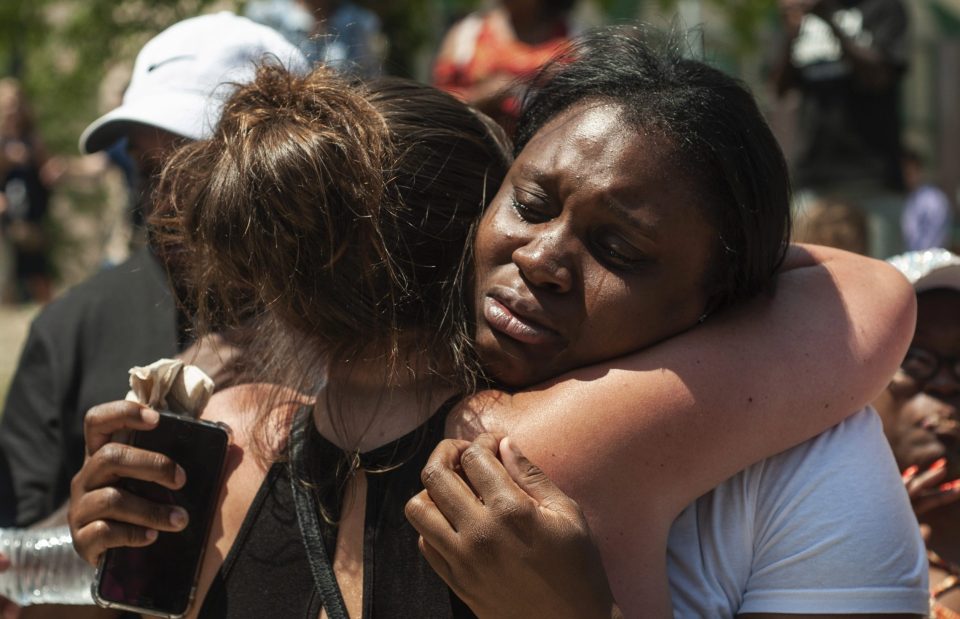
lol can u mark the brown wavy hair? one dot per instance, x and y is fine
(332, 218)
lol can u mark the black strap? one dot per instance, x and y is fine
(320, 565)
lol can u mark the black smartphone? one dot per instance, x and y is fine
(160, 579)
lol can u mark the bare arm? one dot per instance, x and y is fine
(762, 378)
(637, 439)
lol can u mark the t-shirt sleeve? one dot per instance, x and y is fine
(30, 434)
(834, 530)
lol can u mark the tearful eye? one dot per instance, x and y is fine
(530, 211)
(619, 254)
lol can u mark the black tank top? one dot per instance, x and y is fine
(267, 573)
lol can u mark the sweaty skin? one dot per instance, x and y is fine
(594, 246)
(650, 424)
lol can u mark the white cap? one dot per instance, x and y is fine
(182, 76)
(929, 269)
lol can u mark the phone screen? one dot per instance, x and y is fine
(161, 577)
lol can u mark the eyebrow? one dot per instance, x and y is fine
(629, 218)
(540, 176)
(533, 172)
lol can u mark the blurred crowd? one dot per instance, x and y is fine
(858, 185)
(848, 144)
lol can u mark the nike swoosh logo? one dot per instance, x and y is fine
(156, 65)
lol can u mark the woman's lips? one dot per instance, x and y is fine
(524, 330)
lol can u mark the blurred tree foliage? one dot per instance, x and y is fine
(744, 19)
(61, 50)
(410, 27)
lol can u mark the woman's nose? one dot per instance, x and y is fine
(545, 263)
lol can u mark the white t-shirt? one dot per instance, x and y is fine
(825, 527)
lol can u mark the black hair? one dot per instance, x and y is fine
(724, 144)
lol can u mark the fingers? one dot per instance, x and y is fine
(434, 529)
(488, 476)
(102, 421)
(104, 516)
(944, 494)
(927, 489)
(95, 538)
(436, 560)
(917, 482)
(532, 480)
(114, 461)
(121, 506)
(110, 517)
(447, 489)
(4, 562)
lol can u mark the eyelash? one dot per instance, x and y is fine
(614, 259)
(526, 213)
(618, 261)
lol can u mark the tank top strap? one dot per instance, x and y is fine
(321, 567)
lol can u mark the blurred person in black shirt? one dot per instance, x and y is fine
(847, 58)
(81, 346)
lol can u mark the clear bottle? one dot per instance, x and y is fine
(44, 568)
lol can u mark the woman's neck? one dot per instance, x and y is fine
(368, 403)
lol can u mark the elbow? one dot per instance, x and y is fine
(904, 309)
(895, 320)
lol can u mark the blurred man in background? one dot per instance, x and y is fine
(846, 58)
(927, 219)
(81, 346)
(337, 33)
(921, 418)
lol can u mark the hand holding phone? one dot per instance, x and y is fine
(104, 515)
(143, 509)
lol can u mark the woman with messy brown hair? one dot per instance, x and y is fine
(334, 217)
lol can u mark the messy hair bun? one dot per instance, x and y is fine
(285, 202)
(334, 213)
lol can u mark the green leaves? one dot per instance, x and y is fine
(62, 49)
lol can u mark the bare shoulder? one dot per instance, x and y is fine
(237, 407)
(489, 410)
(255, 411)
(258, 416)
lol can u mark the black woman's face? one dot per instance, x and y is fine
(920, 417)
(595, 246)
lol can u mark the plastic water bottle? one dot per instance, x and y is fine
(44, 568)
